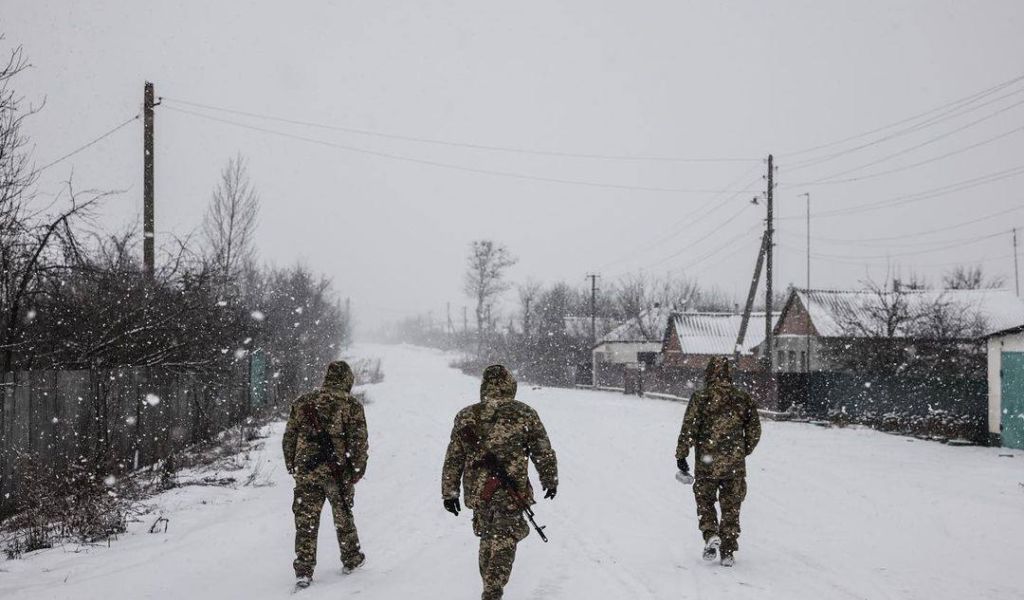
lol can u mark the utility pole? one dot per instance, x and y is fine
(451, 328)
(1016, 267)
(749, 306)
(148, 218)
(465, 320)
(593, 308)
(807, 355)
(769, 242)
(526, 319)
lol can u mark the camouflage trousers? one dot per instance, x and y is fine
(729, 493)
(499, 531)
(307, 505)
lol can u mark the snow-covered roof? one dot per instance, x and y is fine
(716, 333)
(832, 311)
(649, 327)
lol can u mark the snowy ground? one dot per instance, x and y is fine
(830, 514)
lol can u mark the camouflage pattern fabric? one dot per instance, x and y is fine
(307, 505)
(345, 422)
(499, 532)
(514, 434)
(509, 429)
(721, 424)
(730, 494)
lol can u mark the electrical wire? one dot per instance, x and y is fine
(829, 181)
(803, 252)
(944, 246)
(927, 231)
(469, 145)
(85, 146)
(950, 106)
(919, 196)
(686, 222)
(919, 145)
(444, 165)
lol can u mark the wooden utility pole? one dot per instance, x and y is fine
(751, 296)
(807, 356)
(769, 232)
(1016, 267)
(593, 308)
(148, 217)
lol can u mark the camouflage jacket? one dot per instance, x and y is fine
(343, 418)
(721, 424)
(511, 431)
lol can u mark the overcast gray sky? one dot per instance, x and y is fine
(680, 79)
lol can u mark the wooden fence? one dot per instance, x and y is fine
(122, 419)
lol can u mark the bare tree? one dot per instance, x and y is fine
(970, 278)
(485, 279)
(528, 294)
(230, 222)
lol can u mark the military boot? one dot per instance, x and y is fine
(711, 547)
(727, 559)
(302, 582)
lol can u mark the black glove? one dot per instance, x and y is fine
(683, 465)
(550, 492)
(452, 505)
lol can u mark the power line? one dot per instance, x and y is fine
(85, 146)
(912, 129)
(940, 246)
(470, 145)
(955, 104)
(854, 261)
(687, 222)
(712, 232)
(443, 165)
(829, 181)
(927, 231)
(922, 144)
(919, 196)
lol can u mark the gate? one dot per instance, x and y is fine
(1013, 399)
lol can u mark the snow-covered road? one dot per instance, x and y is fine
(830, 514)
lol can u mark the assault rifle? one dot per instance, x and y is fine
(325, 446)
(501, 478)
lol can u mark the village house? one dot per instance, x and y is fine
(943, 363)
(817, 327)
(691, 339)
(1005, 352)
(635, 341)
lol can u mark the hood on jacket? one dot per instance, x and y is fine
(339, 375)
(498, 382)
(717, 371)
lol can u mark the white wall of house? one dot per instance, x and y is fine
(794, 354)
(1012, 342)
(623, 352)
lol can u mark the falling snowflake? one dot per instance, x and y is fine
(130, 420)
(222, 303)
(109, 480)
(298, 310)
(240, 354)
(257, 315)
(152, 399)
(30, 315)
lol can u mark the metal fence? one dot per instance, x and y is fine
(122, 419)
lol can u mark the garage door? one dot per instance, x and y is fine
(1013, 399)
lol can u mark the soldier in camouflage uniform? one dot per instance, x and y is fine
(723, 427)
(512, 432)
(341, 415)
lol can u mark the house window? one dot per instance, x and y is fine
(782, 360)
(792, 360)
(803, 360)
